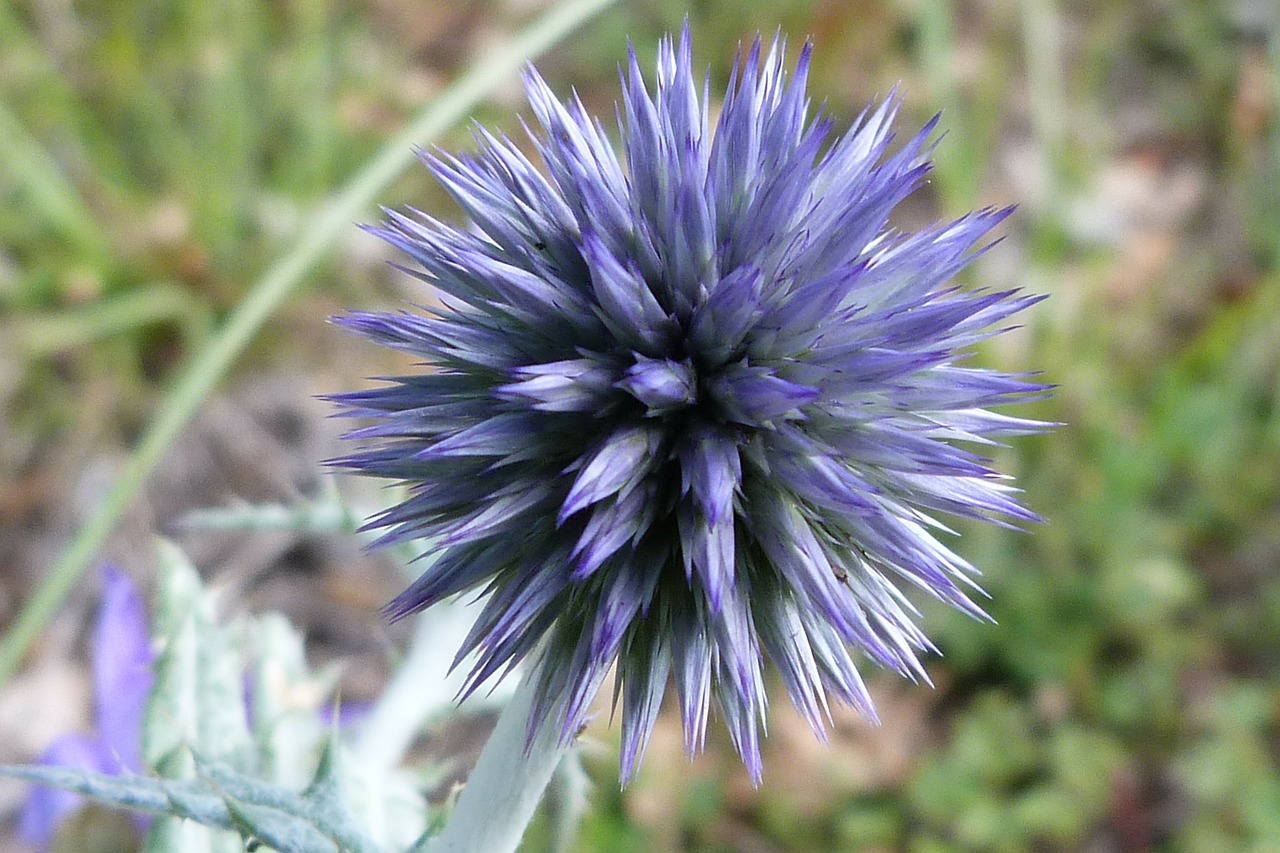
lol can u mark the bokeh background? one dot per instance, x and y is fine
(157, 155)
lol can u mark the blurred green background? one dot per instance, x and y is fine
(157, 155)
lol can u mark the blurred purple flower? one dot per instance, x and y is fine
(692, 406)
(121, 658)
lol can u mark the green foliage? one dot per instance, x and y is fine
(219, 797)
(225, 778)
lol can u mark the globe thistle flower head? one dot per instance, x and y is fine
(691, 406)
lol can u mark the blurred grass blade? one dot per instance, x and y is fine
(28, 165)
(316, 239)
(1047, 96)
(956, 177)
(152, 304)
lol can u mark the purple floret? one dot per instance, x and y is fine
(121, 659)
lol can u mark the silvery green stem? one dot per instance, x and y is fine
(421, 687)
(500, 795)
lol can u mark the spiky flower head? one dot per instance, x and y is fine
(691, 405)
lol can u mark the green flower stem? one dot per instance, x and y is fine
(316, 239)
(571, 788)
(421, 687)
(508, 781)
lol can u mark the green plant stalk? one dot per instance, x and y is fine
(571, 787)
(503, 790)
(317, 239)
(424, 684)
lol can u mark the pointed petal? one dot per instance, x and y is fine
(615, 467)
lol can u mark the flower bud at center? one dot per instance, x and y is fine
(663, 385)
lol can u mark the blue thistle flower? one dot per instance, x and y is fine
(692, 405)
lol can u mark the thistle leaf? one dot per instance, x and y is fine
(322, 806)
(218, 788)
(286, 695)
(220, 797)
(197, 700)
(276, 829)
(325, 515)
(388, 801)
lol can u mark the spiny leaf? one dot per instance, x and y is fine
(389, 802)
(223, 730)
(324, 515)
(325, 790)
(186, 798)
(322, 805)
(435, 825)
(197, 699)
(277, 829)
(286, 694)
(221, 798)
